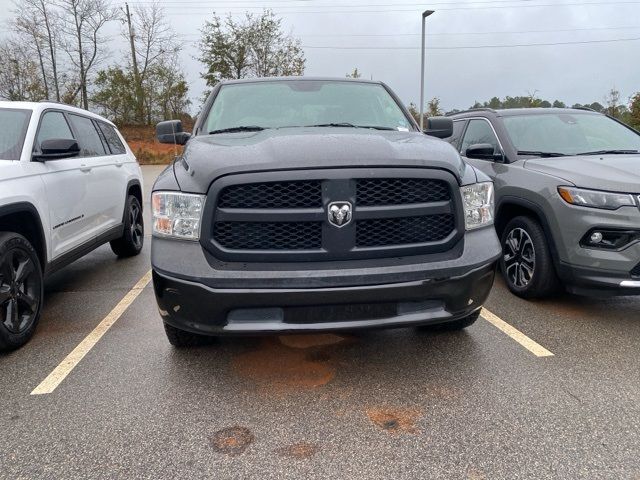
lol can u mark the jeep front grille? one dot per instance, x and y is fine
(282, 216)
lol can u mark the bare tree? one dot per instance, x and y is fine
(27, 24)
(153, 43)
(82, 24)
(612, 102)
(20, 79)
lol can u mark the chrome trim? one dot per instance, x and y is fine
(630, 283)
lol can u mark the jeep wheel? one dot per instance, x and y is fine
(130, 244)
(526, 263)
(21, 291)
(183, 339)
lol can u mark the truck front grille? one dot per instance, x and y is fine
(298, 194)
(269, 235)
(283, 216)
(399, 191)
(382, 232)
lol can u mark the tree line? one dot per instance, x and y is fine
(60, 51)
(612, 105)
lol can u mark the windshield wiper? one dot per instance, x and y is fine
(542, 154)
(350, 125)
(249, 128)
(610, 152)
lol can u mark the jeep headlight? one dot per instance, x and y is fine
(595, 198)
(177, 215)
(478, 204)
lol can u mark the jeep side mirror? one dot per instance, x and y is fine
(440, 127)
(57, 149)
(483, 151)
(171, 132)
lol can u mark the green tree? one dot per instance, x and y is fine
(433, 108)
(634, 111)
(253, 47)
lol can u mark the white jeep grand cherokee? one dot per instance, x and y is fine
(68, 184)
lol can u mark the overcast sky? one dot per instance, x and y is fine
(389, 31)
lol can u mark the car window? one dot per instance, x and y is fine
(479, 131)
(297, 103)
(458, 128)
(53, 125)
(13, 128)
(569, 133)
(115, 145)
(90, 143)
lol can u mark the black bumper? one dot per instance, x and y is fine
(198, 294)
(597, 282)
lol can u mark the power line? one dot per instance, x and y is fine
(439, 34)
(466, 47)
(332, 8)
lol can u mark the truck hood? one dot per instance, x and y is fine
(207, 157)
(616, 173)
(10, 169)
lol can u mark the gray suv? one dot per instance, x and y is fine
(567, 196)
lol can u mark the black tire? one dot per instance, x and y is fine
(21, 291)
(526, 263)
(183, 339)
(455, 325)
(132, 240)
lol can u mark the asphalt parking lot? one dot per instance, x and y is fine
(559, 399)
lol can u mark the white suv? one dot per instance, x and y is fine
(68, 184)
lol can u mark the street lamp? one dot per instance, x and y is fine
(425, 14)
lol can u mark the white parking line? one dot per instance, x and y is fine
(67, 365)
(535, 348)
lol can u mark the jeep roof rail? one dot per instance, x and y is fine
(471, 110)
(588, 109)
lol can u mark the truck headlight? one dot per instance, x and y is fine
(478, 204)
(596, 199)
(177, 215)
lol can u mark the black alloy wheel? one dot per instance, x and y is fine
(519, 257)
(21, 290)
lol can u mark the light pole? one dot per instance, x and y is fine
(425, 14)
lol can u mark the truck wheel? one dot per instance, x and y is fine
(130, 244)
(183, 339)
(455, 325)
(21, 291)
(526, 263)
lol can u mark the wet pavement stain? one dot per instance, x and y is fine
(299, 450)
(308, 341)
(279, 367)
(232, 441)
(395, 420)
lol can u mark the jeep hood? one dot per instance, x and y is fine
(208, 157)
(616, 173)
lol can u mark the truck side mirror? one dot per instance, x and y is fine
(171, 131)
(439, 127)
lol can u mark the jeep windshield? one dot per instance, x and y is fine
(254, 106)
(558, 134)
(13, 128)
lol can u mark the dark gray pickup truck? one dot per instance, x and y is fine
(309, 204)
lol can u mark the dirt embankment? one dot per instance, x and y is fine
(148, 151)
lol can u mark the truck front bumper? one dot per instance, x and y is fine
(198, 294)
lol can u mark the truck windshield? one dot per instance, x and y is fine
(13, 128)
(570, 134)
(299, 103)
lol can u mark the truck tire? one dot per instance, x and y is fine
(21, 290)
(526, 262)
(183, 339)
(132, 240)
